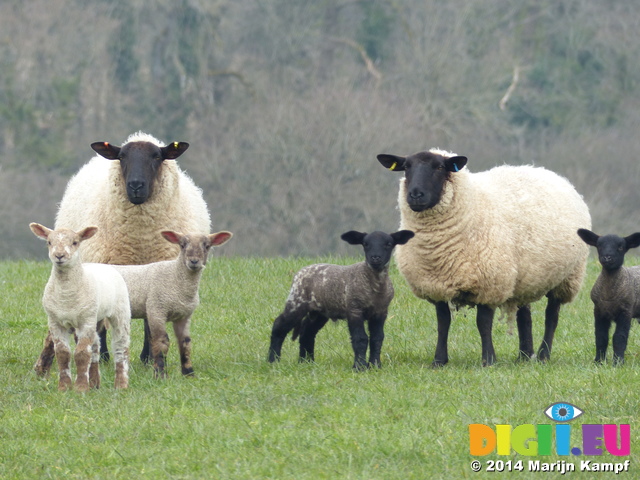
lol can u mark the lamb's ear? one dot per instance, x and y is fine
(588, 236)
(633, 240)
(174, 150)
(87, 233)
(220, 238)
(402, 237)
(173, 237)
(40, 231)
(352, 237)
(106, 150)
(392, 162)
(455, 164)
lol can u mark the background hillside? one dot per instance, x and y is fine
(287, 103)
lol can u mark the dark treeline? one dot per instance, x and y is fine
(286, 103)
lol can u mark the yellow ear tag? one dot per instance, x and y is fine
(175, 144)
(393, 167)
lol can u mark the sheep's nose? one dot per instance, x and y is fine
(416, 194)
(135, 185)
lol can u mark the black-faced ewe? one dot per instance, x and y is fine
(615, 294)
(131, 193)
(77, 295)
(501, 238)
(358, 293)
(167, 291)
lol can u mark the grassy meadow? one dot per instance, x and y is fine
(242, 418)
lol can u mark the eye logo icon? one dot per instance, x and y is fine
(562, 412)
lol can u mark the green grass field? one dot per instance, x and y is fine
(242, 418)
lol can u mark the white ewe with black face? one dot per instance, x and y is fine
(76, 297)
(501, 238)
(615, 293)
(167, 291)
(131, 193)
(358, 293)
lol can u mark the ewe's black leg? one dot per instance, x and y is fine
(620, 337)
(282, 325)
(444, 322)
(310, 328)
(104, 348)
(484, 321)
(602, 325)
(551, 315)
(523, 318)
(359, 341)
(145, 355)
(376, 337)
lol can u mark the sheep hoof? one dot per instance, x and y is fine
(188, 372)
(438, 363)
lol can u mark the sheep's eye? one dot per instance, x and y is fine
(389, 245)
(75, 244)
(440, 167)
(621, 248)
(365, 244)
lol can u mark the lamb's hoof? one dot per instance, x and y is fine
(188, 372)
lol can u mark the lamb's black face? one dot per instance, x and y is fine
(378, 246)
(611, 250)
(140, 163)
(426, 174)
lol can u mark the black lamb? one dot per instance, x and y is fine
(358, 293)
(616, 292)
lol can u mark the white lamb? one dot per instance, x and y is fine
(167, 291)
(131, 193)
(76, 296)
(501, 238)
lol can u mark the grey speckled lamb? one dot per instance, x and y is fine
(358, 293)
(615, 294)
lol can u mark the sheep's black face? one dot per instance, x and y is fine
(140, 163)
(378, 246)
(426, 174)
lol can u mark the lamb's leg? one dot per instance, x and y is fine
(282, 325)
(94, 367)
(145, 355)
(359, 340)
(104, 348)
(82, 358)
(484, 321)
(444, 322)
(43, 364)
(602, 326)
(308, 331)
(376, 337)
(181, 329)
(523, 318)
(620, 338)
(551, 314)
(121, 337)
(159, 341)
(60, 338)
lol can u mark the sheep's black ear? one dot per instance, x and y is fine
(352, 237)
(402, 237)
(588, 236)
(455, 164)
(174, 150)
(633, 240)
(392, 162)
(106, 150)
